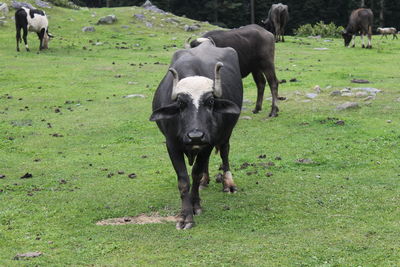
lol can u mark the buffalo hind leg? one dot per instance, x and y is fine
(260, 81)
(185, 220)
(18, 36)
(227, 180)
(273, 85)
(24, 36)
(41, 36)
(199, 168)
(369, 37)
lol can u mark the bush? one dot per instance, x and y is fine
(64, 3)
(320, 28)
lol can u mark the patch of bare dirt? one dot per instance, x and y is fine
(140, 219)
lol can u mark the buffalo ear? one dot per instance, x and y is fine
(225, 106)
(165, 113)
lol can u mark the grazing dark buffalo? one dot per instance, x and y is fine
(256, 50)
(196, 107)
(360, 22)
(32, 20)
(278, 16)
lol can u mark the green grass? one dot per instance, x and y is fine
(341, 210)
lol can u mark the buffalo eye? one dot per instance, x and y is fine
(181, 104)
(209, 102)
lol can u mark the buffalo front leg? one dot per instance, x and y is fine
(227, 180)
(199, 169)
(185, 220)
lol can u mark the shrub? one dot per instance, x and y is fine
(320, 28)
(64, 3)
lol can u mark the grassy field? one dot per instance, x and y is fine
(63, 119)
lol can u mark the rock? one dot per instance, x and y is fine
(305, 161)
(245, 118)
(311, 95)
(339, 122)
(191, 28)
(149, 24)
(361, 94)
(88, 29)
(335, 93)
(345, 90)
(42, 4)
(398, 99)
(321, 48)
(293, 80)
(140, 16)
(369, 98)
(125, 27)
(18, 5)
(134, 96)
(2, 176)
(28, 255)
(3, 23)
(149, 6)
(131, 83)
(359, 81)
(389, 121)
(4, 9)
(347, 105)
(347, 94)
(98, 43)
(372, 91)
(172, 20)
(110, 19)
(317, 89)
(132, 175)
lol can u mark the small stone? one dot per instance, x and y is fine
(293, 80)
(132, 175)
(311, 95)
(88, 29)
(389, 121)
(305, 161)
(28, 255)
(359, 81)
(348, 94)
(2, 176)
(339, 122)
(369, 98)
(110, 19)
(269, 174)
(361, 94)
(347, 105)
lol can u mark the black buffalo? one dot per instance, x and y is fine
(278, 16)
(360, 22)
(196, 107)
(255, 47)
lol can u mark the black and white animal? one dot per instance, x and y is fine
(278, 16)
(386, 31)
(196, 107)
(32, 20)
(360, 22)
(255, 47)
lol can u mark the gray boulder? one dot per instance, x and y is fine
(88, 29)
(110, 19)
(3, 23)
(149, 6)
(42, 4)
(18, 5)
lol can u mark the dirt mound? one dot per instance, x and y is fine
(140, 219)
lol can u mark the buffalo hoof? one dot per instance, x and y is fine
(197, 211)
(353, 46)
(273, 114)
(255, 111)
(17, 49)
(281, 98)
(363, 46)
(230, 189)
(184, 225)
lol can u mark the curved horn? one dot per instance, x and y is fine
(187, 43)
(175, 82)
(217, 81)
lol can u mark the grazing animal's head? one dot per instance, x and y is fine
(347, 37)
(196, 100)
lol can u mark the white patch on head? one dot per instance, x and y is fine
(37, 23)
(195, 87)
(202, 40)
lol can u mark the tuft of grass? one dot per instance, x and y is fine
(63, 119)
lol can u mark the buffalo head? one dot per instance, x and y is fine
(347, 37)
(196, 103)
